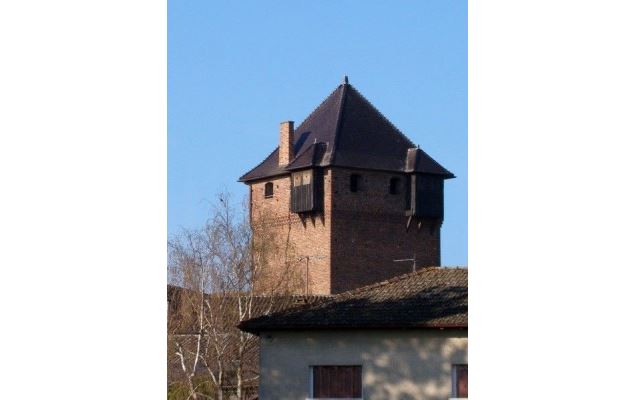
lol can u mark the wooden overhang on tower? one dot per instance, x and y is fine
(424, 190)
(425, 196)
(307, 191)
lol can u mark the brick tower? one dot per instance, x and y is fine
(351, 193)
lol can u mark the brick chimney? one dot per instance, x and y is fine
(285, 154)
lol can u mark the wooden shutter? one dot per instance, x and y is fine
(426, 196)
(302, 192)
(461, 381)
(306, 191)
(337, 381)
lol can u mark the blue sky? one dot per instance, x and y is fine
(236, 70)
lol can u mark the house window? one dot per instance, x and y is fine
(459, 381)
(354, 185)
(336, 382)
(394, 185)
(268, 190)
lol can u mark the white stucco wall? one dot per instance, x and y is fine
(396, 364)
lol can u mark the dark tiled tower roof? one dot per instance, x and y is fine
(346, 130)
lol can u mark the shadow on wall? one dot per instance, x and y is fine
(412, 368)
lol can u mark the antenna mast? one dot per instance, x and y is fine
(307, 258)
(413, 259)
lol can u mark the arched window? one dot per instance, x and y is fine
(354, 184)
(268, 190)
(394, 185)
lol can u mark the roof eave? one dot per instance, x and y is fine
(261, 178)
(256, 330)
(288, 170)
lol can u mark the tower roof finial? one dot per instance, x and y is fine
(345, 80)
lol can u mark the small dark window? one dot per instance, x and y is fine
(268, 190)
(355, 182)
(394, 185)
(459, 381)
(333, 382)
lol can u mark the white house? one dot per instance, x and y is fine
(401, 339)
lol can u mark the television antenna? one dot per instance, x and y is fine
(308, 258)
(413, 259)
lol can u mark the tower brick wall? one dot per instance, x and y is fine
(369, 231)
(354, 241)
(307, 236)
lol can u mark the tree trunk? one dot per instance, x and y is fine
(192, 389)
(220, 386)
(239, 383)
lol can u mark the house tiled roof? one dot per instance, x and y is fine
(429, 298)
(346, 130)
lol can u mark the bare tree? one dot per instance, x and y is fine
(225, 275)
